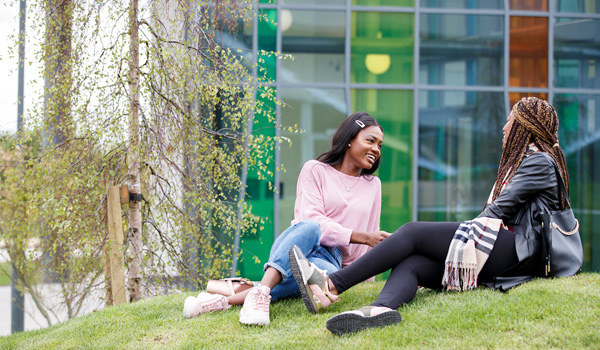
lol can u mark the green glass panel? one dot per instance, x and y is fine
(461, 50)
(393, 109)
(464, 4)
(316, 41)
(318, 113)
(382, 48)
(460, 143)
(255, 247)
(577, 53)
(582, 6)
(401, 3)
(578, 132)
(267, 43)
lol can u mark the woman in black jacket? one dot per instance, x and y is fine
(500, 248)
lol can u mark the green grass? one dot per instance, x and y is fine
(561, 313)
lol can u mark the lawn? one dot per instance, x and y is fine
(560, 313)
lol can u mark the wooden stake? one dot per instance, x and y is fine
(115, 231)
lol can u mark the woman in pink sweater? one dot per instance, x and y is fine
(336, 220)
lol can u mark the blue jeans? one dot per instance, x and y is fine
(306, 236)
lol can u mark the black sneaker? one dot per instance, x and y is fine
(358, 320)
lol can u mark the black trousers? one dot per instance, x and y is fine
(416, 253)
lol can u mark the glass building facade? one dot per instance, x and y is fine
(441, 77)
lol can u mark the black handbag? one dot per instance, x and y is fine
(561, 242)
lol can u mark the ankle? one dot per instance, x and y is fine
(331, 287)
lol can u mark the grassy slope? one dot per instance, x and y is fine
(561, 313)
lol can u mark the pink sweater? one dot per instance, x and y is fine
(321, 196)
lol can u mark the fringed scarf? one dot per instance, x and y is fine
(471, 245)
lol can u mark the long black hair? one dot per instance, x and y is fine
(346, 132)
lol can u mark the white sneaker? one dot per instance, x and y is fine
(256, 307)
(204, 303)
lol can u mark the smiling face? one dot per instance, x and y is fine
(363, 151)
(506, 129)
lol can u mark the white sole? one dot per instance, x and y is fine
(253, 321)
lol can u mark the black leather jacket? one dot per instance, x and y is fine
(517, 205)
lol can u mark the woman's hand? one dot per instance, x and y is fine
(369, 238)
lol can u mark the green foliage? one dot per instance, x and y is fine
(561, 313)
(197, 106)
(4, 274)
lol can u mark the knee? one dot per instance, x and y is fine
(408, 227)
(312, 226)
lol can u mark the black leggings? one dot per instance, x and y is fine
(416, 253)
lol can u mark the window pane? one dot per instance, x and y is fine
(382, 48)
(402, 3)
(464, 4)
(318, 112)
(461, 49)
(528, 51)
(460, 143)
(577, 53)
(260, 196)
(393, 109)
(267, 35)
(578, 137)
(316, 40)
(529, 5)
(583, 6)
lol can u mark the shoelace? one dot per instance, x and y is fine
(262, 301)
(210, 305)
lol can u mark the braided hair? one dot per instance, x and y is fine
(535, 122)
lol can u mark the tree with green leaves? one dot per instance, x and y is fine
(153, 97)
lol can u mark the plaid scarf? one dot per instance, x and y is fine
(471, 245)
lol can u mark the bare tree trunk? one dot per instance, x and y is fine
(133, 154)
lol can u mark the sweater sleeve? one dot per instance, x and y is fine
(310, 205)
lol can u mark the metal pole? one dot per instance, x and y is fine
(16, 296)
(21, 67)
(17, 320)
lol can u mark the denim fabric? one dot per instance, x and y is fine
(305, 235)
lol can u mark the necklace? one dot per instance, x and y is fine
(342, 181)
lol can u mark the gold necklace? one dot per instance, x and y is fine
(342, 181)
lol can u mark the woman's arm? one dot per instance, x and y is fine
(372, 238)
(535, 174)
